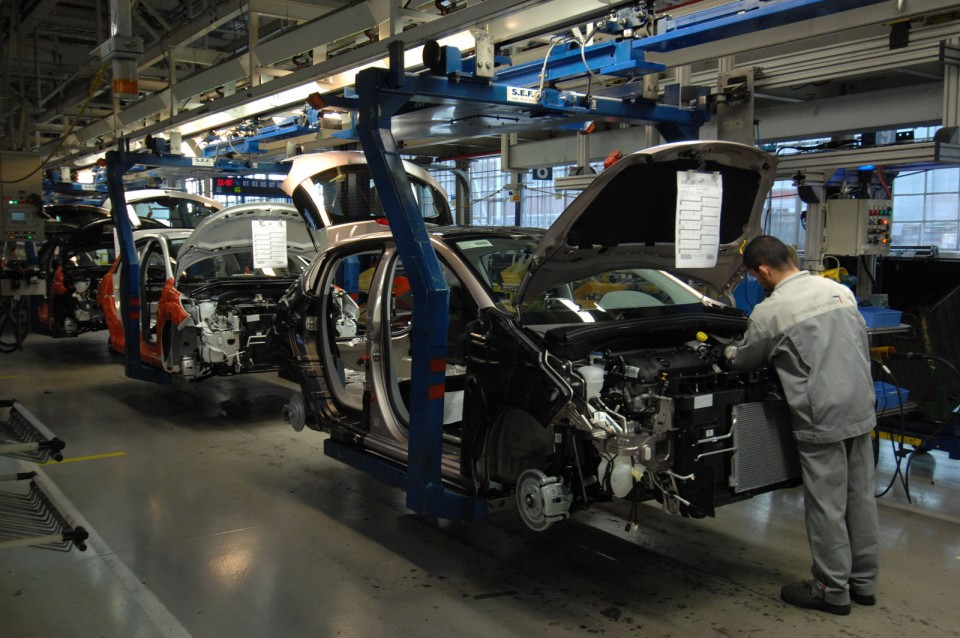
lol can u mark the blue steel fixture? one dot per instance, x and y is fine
(517, 106)
(250, 144)
(624, 58)
(424, 487)
(739, 18)
(119, 163)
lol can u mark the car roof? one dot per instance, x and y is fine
(135, 196)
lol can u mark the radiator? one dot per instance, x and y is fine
(765, 450)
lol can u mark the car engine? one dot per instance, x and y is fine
(85, 310)
(229, 335)
(665, 423)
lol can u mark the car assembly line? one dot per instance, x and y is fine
(464, 283)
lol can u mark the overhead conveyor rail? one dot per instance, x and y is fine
(29, 515)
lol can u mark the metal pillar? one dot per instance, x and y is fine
(130, 309)
(425, 491)
(950, 55)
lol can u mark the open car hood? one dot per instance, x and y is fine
(232, 229)
(628, 217)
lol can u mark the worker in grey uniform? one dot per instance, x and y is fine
(810, 331)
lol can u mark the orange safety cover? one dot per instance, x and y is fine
(168, 310)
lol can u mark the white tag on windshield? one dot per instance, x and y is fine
(699, 196)
(269, 243)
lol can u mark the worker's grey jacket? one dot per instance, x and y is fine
(810, 330)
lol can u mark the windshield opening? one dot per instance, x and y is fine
(174, 212)
(610, 295)
(238, 265)
(348, 194)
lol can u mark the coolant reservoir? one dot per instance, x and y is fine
(593, 377)
(622, 475)
(207, 309)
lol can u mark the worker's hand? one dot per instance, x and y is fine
(730, 353)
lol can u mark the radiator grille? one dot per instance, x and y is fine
(765, 450)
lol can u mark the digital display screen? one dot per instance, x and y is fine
(18, 216)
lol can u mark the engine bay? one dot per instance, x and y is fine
(230, 334)
(663, 424)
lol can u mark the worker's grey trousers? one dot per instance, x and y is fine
(841, 515)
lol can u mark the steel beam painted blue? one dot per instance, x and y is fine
(130, 308)
(142, 161)
(621, 58)
(675, 123)
(251, 143)
(772, 14)
(379, 468)
(424, 488)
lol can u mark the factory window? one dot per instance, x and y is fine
(782, 214)
(540, 202)
(926, 208)
(490, 202)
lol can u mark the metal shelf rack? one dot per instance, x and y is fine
(29, 516)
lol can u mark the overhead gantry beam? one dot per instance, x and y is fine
(324, 30)
(508, 21)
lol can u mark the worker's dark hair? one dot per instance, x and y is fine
(769, 251)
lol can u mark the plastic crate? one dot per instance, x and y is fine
(889, 396)
(880, 317)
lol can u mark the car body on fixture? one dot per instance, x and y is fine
(81, 246)
(581, 364)
(207, 296)
(73, 264)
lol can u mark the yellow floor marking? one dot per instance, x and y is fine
(93, 457)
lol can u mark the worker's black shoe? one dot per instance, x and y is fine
(807, 596)
(863, 599)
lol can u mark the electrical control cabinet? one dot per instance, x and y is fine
(20, 180)
(21, 224)
(858, 226)
(20, 221)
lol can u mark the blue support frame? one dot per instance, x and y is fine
(117, 166)
(771, 14)
(673, 122)
(424, 487)
(622, 58)
(251, 143)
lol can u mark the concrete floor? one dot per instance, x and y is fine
(217, 519)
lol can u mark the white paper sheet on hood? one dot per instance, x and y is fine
(269, 243)
(699, 196)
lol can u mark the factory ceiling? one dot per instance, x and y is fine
(243, 59)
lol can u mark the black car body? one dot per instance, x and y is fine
(581, 364)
